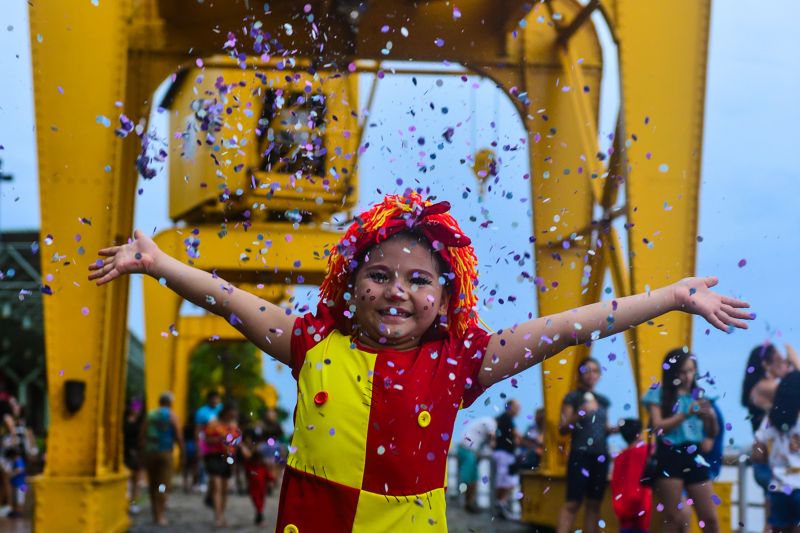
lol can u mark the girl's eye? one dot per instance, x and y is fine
(378, 277)
(421, 280)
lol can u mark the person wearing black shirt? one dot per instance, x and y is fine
(506, 441)
(584, 416)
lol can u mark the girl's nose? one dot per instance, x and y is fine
(397, 291)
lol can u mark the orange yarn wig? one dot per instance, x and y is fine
(411, 213)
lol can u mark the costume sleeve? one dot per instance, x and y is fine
(603, 400)
(470, 352)
(309, 330)
(652, 396)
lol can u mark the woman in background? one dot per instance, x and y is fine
(765, 369)
(685, 425)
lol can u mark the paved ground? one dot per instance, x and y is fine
(187, 513)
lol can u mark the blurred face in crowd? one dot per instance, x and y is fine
(686, 374)
(590, 374)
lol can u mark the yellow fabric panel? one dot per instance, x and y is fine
(333, 434)
(424, 512)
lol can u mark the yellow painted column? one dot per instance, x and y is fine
(562, 202)
(663, 94)
(84, 206)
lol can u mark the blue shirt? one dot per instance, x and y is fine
(160, 432)
(690, 430)
(206, 414)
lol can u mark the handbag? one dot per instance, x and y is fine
(650, 471)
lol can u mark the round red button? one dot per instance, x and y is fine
(321, 397)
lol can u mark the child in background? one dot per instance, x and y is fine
(630, 498)
(255, 450)
(778, 439)
(19, 484)
(392, 351)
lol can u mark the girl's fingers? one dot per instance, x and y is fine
(737, 313)
(105, 252)
(734, 302)
(730, 321)
(714, 320)
(711, 281)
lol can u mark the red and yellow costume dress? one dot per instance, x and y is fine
(373, 428)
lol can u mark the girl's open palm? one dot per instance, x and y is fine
(694, 295)
(135, 257)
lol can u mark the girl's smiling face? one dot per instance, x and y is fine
(398, 293)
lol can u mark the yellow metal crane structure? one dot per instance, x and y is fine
(93, 60)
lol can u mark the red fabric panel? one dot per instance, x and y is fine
(313, 504)
(628, 495)
(402, 457)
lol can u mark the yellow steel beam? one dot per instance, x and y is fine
(663, 91)
(274, 254)
(563, 200)
(192, 332)
(85, 204)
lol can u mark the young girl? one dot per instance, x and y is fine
(779, 439)
(390, 355)
(584, 416)
(685, 425)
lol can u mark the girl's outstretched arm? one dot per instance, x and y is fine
(514, 349)
(264, 324)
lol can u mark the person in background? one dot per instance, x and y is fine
(778, 441)
(160, 433)
(479, 434)
(685, 425)
(18, 480)
(274, 445)
(205, 414)
(533, 441)
(254, 451)
(584, 416)
(222, 437)
(631, 499)
(766, 366)
(505, 446)
(8, 439)
(132, 421)
(191, 458)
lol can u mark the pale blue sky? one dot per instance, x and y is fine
(749, 193)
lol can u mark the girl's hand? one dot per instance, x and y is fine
(135, 257)
(704, 409)
(694, 295)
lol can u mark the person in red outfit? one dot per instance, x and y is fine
(631, 499)
(256, 469)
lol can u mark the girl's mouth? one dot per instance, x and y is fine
(394, 312)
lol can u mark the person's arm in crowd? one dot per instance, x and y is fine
(661, 424)
(173, 419)
(710, 424)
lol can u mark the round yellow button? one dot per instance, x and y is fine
(291, 528)
(424, 419)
